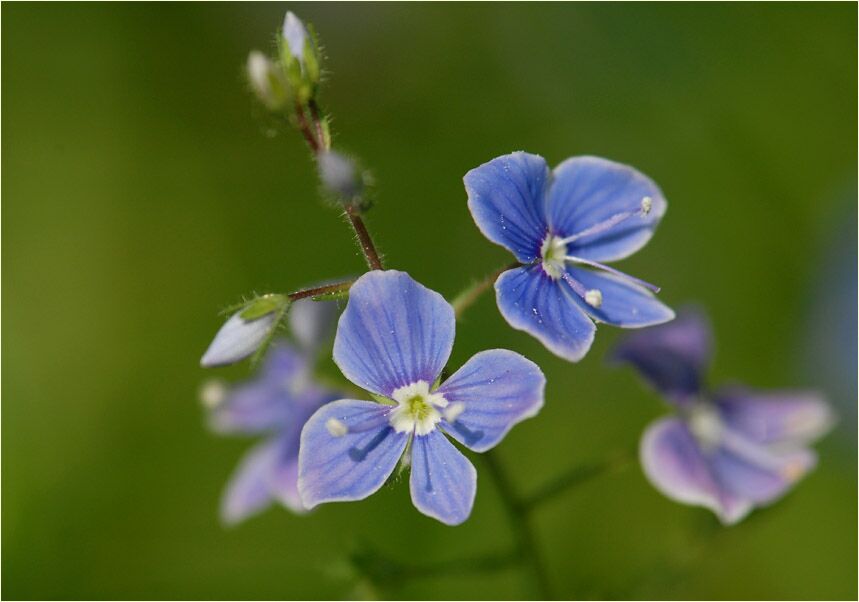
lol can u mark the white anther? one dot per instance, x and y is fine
(336, 427)
(646, 205)
(212, 393)
(593, 297)
(453, 411)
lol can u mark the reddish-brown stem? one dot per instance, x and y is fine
(364, 239)
(317, 122)
(304, 127)
(328, 289)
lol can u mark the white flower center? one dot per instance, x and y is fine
(706, 425)
(553, 252)
(417, 409)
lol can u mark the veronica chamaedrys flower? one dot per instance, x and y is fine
(393, 339)
(275, 404)
(563, 226)
(729, 450)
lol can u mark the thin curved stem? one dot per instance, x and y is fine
(472, 293)
(527, 550)
(574, 477)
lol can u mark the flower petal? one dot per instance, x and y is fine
(393, 332)
(753, 473)
(507, 199)
(497, 389)
(675, 465)
(283, 478)
(623, 304)
(268, 402)
(312, 323)
(237, 339)
(673, 357)
(443, 482)
(348, 450)
(248, 492)
(590, 190)
(545, 308)
(783, 418)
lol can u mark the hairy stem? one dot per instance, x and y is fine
(364, 239)
(472, 293)
(527, 551)
(321, 291)
(304, 128)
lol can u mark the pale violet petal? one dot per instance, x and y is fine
(775, 418)
(672, 357)
(589, 190)
(443, 482)
(348, 451)
(237, 339)
(393, 332)
(312, 323)
(753, 473)
(489, 394)
(507, 199)
(674, 464)
(546, 309)
(248, 493)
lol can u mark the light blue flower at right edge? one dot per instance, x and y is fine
(563, 226)
(729, 450)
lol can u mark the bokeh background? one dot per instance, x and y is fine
(143, 191)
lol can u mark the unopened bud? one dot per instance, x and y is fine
(339, 176)
(300, 57)
(267, 81)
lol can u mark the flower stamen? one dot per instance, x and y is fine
(611, 222)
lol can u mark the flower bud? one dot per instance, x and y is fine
(339, 176)
(300, 56)
(267, 81)
(245, 331)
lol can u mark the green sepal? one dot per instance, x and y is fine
(262, 306)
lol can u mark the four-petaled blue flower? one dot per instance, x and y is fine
(393, 339)
(585, 212)
(277, 404)
(729, 450)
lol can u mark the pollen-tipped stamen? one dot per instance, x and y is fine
(611, 222)
(592, 297)
(611, 270)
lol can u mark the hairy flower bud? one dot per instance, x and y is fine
(267, 81)
(339, 176)
(300, 55)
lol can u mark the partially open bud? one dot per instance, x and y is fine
(267, 81)
(245, 331)
(300, 56)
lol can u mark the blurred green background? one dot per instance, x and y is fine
(143, 191)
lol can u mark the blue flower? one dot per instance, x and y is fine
(558, 224)
(275, 404)
(393, 339)
(730, 450)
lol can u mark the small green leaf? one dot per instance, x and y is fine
(262, 306)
